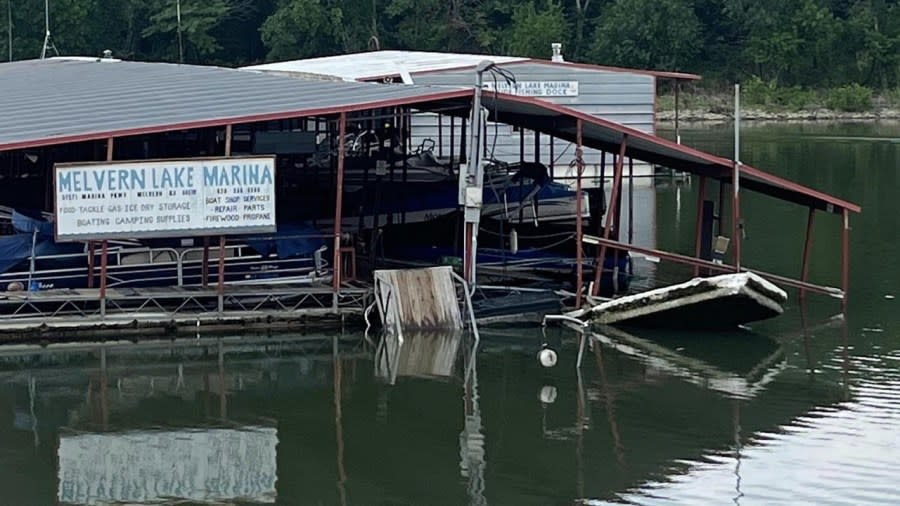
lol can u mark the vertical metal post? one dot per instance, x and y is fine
(701, 193)
(228, 130)
(440, 118)
(579, 230)
(807, 247)
(845, 260)
(552, 159)
(630, 200)
(104, 245)
(91, 253)
(221, 285)
(521, 145)
(677, 130)
(338, 203)
(204, 267)
(104, 253)
(611, 215)
(736, 183)
(537, 146)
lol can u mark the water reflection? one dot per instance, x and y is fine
(154, 466)
(336, 420)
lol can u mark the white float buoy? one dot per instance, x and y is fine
(548, 394)
(547, 357)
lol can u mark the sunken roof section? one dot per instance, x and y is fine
(61, 100)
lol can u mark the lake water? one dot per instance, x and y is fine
(803, 409)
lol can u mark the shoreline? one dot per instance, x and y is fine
(755, 114)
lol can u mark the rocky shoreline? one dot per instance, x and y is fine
(751, 114)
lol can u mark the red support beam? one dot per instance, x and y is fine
(611, 215)
(338, 202)
(204, 267)
(736, 217)
(807, 247)
(698, 247)
(91, 259)
(104, 253)
(221, 285)
(579, 227)
(845, 259)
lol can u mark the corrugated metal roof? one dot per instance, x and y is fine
(378, 64)
(375, 64)
(598, 133)
(55, 101)
(66, 100)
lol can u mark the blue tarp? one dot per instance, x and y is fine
(291, 240)
(16, 248)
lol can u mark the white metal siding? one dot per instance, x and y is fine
(622, 97)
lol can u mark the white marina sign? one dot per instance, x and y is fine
(536, 88)
(164, 198)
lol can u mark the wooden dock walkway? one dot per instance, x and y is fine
(67, 313)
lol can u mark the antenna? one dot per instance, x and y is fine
(48, 42)
(178, 21)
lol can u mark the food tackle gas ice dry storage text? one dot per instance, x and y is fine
(165, 198)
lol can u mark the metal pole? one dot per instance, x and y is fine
(180, 41)
(338, 202)
(221, 284)
(579, 230)
(204, 268)
(91, 253)
(611, 215)
(736, 200)
(701, 193)
(104, 251)
(677, 130)
(630, 200)
(845, 260)
(807, 247)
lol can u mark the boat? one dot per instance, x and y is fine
(718, 302)
(31, 259)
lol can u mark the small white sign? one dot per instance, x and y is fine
(536, 88)
(167, 198)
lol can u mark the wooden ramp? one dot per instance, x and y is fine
(418, 299)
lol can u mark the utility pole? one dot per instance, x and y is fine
(180, 41)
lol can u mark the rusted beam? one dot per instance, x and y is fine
(736, 216)
(204, 267)
(221, 284)
(579, 227)
(611, 214)
(701, 194)
(684, 259)
(845, 259)
(104, 254)
(91, 253)
(338, 203)
(807, 247)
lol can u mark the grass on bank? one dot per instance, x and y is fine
(769, 97)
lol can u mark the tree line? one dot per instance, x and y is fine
(806, 43)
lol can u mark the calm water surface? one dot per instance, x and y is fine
(804, 409)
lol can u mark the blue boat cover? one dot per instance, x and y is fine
(17, 247)
(291, 240)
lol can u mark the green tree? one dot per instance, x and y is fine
(533, 31)
(660, 34)
(198, 19)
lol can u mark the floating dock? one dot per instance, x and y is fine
(70, 313)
